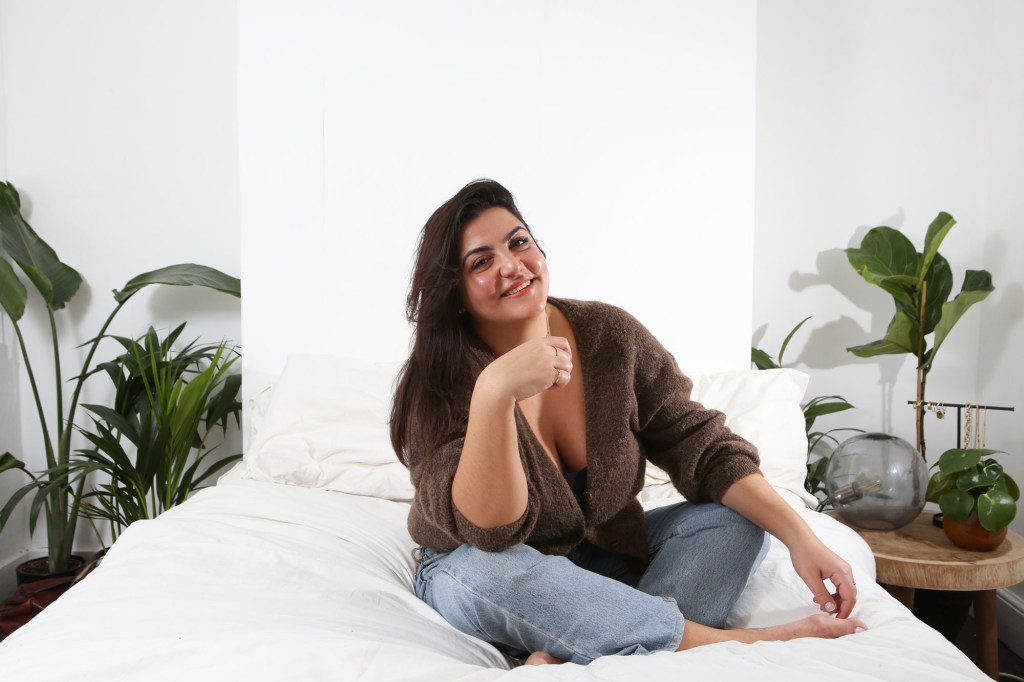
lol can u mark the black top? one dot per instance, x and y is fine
(578, 482)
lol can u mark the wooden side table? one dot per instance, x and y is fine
(920, 556)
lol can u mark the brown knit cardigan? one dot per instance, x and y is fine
(637, 404)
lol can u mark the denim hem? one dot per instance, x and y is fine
(676, 638)
(577, 654)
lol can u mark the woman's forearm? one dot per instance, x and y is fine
(754, 498)
(490, 486)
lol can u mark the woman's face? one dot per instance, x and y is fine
(499, 254)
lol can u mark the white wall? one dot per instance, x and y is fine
(875, 113)
(121, 135)
(626, 132)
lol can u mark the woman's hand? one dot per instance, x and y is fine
(530, 368)
(814, 562)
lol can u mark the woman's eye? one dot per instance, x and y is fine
(519, 241)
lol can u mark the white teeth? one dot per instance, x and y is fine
(519, 288)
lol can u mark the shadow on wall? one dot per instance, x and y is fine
(1000, 315)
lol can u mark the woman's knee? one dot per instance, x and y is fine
(468, 572)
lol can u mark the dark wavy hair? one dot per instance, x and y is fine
(433, 390)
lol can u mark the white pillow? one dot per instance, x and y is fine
(762, 406)
(326, 427)
(258, 406)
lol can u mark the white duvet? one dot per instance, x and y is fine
(262, 581)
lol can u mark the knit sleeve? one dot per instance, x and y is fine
(432, 475)
(701, 455)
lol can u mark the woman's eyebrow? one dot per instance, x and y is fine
(488, 248)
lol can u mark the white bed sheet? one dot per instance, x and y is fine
(263, 581)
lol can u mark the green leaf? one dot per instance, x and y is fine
(900, 337)
(940, 283)
(958, 459)
(13, 501)
(184, 274)
(991, 471)
(1009, 485)
(937, 231)
(976, 287)
(115, 419)
(9, 461)
(12, 292)
(761, 359)
(971, 479)
(56, 282)
(956, 504)
(790, 336)
(938, 484)
(889, 260)
(996, 509)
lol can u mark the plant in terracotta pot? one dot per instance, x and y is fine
(978, 499)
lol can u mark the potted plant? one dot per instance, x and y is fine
(920, 284)
(166, 416)
(812, 409)
(978, 499)
(57, 490)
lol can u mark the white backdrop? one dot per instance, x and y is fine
(625, 131)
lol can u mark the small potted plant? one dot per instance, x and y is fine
(978, 499)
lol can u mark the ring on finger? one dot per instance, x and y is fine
(558, 375)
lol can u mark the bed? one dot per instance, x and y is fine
(298, 565)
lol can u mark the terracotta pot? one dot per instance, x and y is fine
(38, 569)
(971, 534)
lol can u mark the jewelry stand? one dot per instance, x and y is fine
(979, 434)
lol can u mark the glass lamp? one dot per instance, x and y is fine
(877, 481)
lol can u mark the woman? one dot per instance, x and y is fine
(525, 421)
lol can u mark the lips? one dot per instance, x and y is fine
(527, 282)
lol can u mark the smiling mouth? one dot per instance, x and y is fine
(520, 290)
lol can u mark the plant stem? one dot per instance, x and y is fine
(921, 374)
(50, 462)
(65, 441)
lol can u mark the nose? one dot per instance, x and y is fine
(510, 267)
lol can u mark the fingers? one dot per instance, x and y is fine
(847, 592)
(561, 343)
(824, 600)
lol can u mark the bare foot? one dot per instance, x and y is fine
(541, 658)
(820, 625)
(695, 634)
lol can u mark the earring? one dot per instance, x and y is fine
(462, 311)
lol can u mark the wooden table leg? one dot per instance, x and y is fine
(905, 595)
(986, 634)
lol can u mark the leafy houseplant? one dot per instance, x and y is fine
(160, 413)
(58, 489)
(978, 499)
(813, 409)
(920, 284)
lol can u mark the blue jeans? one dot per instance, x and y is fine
(590, 603)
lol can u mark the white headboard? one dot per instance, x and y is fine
(625, 131)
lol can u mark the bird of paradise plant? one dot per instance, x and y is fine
(59, 488)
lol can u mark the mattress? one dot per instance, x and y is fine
(264, 581)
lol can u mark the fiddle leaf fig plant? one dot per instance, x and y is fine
(968, 479)
(57, 490)
(814, 408)
(920, 283)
